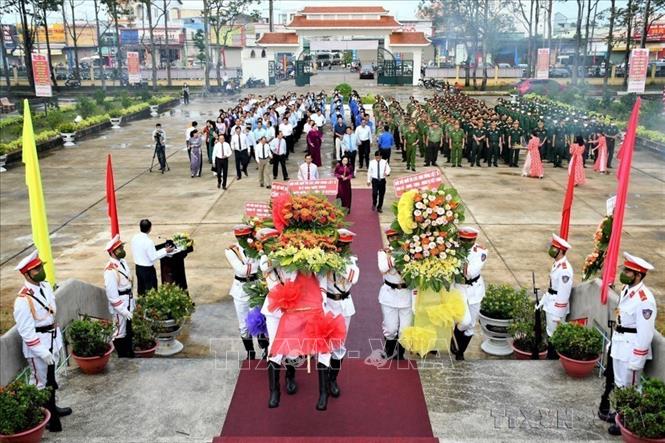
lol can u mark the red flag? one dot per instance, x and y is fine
(110, 198)
(568, 201)
(623, 178)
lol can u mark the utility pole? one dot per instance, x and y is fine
(270, 15)
(166, 40)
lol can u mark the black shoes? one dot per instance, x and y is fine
(63, 412)
(335, 367)
(389, 348)
(273, 384)
(291, 386)
(322, 370)
(248, 343)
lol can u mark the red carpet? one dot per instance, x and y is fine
(377, 404)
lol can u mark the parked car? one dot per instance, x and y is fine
(367, 74)
(538, 86)
(559, 72)
(503, 65)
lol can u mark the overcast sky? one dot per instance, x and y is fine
(402, 9)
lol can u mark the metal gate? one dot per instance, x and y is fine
(396, 72)
(271, 72)
(303, 67)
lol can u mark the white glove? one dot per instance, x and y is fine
(48, 359)
(128, 315)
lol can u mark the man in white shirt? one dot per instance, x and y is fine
(364, 136)
(377, 171)
(279, 153)
(145, 255)
(319, 119)
(251, 141)
(286, 129)
(308, 170)
(263, 155)
(221, 153)
(241, 151)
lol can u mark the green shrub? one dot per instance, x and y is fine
(368, 99)
(642, 408)
(144, 94)
(115, 113)
(578, 342)
(142, 330)
(522, 329)
(90, 338)
(54, 119)
(169, 302)
(86, 107)
(345, 89)
(125, 101)
(500, 301)
(67, 128)
(20, 407)
(99, 96)
(107, 105)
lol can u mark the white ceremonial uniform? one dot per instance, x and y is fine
(34, 308)
(395, 302)
(474, 290)
(274, 276)
(631, 350)
(244, 268)
(118, 283)
(337, 284)
(556, 300)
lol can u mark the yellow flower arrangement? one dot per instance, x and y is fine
(308, 259)
(405, 211)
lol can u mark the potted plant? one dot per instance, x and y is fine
(523, 331)
(496, 315)
(168, 307)
(578, 347)
(3, 159)
(116, 118)
(641, 411)
(144, 340)
(68, 133)
(22, 413)
(91, 343)
(154, 107)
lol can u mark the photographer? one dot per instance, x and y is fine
(159, 136)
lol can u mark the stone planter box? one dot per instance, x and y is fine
(68, 139)
(154, 110)
(497, 339)
(115, 122)
(167, 344)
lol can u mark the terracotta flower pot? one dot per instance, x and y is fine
(577, 368)
(524, 355)
(146, 353)
(93, 365)
(629, 437)
(33, 435)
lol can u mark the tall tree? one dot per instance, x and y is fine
(100, 44)
(578, 40)
(153, 50)
(626, 16)
(653, 11)
(528, 21)
(115, 9)
(5, 65)
(610, 43)
(548, 9)
(73, 33)
(224, 15)
(23, 9)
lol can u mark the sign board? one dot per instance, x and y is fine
(278, 188)
(258, 209)
(430, 179)
(637, 74)
(133, 67)
(326, 186)
(42, 75)
(543, 63)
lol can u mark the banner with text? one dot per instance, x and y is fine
(41, 74)
(543, 63)
(133, 67)
(278, 188)
(430, 179)
(325, 186)
(257, 209)
(637, 74)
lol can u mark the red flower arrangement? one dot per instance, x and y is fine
(309, 211)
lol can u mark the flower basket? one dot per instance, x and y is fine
(22, 415)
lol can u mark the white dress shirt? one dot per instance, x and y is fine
(262, 152)
(221, 150)
(363, 133)
(287, 129)
(278, 146)
(378, 170)
(239, 142)
(143, 250)
(319, 119)
(308, 171)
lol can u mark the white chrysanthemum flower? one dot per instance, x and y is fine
(250, 241)
(407, 258)
(424, 195)
(419, 249)
(449, 213)
(431, 245)
(439, 240)
(449, 197)
(415, 238)
(419, 205)
(447, 207)
(443, 255)
(451, 252)
(426, 253)
(440, 211)
(417, 213)
(428, 210)
(440, 192)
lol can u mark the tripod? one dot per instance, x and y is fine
(154, 154)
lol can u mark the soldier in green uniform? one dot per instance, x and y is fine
(515, 136)
(422, 126)
(411, 141)
(612, 135)
(433, 140)
(543, 135)
(494, 142)
(558, 144)
(456, 142)
(477, 143)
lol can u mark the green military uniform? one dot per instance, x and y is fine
(559, 145)
(422, 128)
(411, 139)
(456, 146)
(611, 132)
(543, 134)
(476, 146)
(515, 145)
(494, 142)
(434, 136)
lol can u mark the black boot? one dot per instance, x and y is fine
(551, 352)
(322, 404)
(291, 386)
(248, 343)
(464, 343)
(63, 412)
(607, 416)
(459, 349)
(263, 344)
(389, 348)
(614, 430)
(273, 384)
(335, 367)
(400, 351)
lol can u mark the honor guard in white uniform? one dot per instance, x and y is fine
(634, 327)
(244, 270)
(34, 314)
(395, 298)
(556, 301)
(473, 289)
(275, 275)
(118, 283)
(338, 301)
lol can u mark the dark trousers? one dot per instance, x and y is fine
(558, 153)
(385, 154)
(161, 156)
(222, 170)
(146, 278)
(364, 153)
(432, 153)
(352, 159)
(475, 153)
(493, 155)
(125, 346)
(610, 151)
(378, 192)
(242, 160)
(514, 156)
(278, 160)
(290, 143)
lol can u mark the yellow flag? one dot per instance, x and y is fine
(33, 180)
